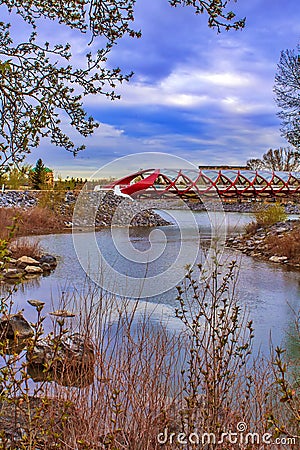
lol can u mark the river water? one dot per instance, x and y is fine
(268, 291)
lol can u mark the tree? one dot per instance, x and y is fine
(38, 175)
(18, 176)
(38, 82)
(287, 90)
(254, 164)
(282, 159)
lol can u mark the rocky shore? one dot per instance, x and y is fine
(278, 243)
(103, 208)
(25, 267)
(63, 357)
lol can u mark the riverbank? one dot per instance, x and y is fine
(39, 213)
(278, 243)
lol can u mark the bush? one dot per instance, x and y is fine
(268, 215)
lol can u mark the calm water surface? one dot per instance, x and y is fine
(269, 291)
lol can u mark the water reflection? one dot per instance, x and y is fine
(264, 288)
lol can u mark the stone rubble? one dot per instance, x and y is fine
(104, 209)
(17, 199)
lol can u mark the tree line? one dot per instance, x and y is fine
(38, 177)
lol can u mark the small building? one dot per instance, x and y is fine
(227, 167)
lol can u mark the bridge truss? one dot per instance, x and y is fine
(191, 183)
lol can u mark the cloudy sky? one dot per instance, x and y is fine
(204, 96)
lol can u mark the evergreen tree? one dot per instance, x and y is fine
(38, 175)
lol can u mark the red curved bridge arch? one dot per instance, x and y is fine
(226, 183)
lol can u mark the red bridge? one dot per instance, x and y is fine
(192, 183)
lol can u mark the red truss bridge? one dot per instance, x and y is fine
(192, 183)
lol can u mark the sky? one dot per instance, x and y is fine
(197, 94)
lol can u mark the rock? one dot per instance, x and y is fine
(12, 261)
(31, 276)
(36, 303)
(46, 267)
(12, 274)
(278, 259)
(33, 269)
(48, 259)
(62, 313)
(18, 199)
(27, 261)
(15, 332)
(282, 230)
(68, 360)
(109, 209)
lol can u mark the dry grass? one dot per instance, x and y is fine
(251, 228)
(135, 391)
(24, 246)
(287, 245)
(32, 221)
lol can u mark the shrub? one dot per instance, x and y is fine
(268, 215)
(37, 220)
(135, 387)
(51, 200)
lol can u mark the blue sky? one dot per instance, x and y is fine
(204, 96)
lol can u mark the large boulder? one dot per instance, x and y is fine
(33, 269)
(27, 261)
(15, 333)
(69, 360)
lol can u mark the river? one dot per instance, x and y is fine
(268, 291)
